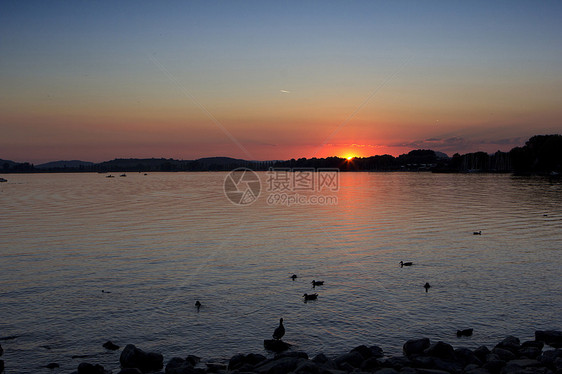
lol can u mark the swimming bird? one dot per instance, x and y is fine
(279, 331)
(197, 304)
(465, 332)
(317, 283)
(426, 286)
(402, 264)
(293, 277)
(477, 233)
(307, 297)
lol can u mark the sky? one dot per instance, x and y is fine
(98, 80)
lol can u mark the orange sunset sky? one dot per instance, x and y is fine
(275, 80)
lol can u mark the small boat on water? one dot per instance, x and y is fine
(123, 175)
(109, 176)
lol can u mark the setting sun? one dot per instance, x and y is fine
(349, 158)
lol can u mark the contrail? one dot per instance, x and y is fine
(375, 91)
(186, 92)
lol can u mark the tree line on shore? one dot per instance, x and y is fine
(541, 154)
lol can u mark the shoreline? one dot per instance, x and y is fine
(509, 356)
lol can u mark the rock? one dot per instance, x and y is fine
(130, 371)
(504, 354)
(415, 346)
(441, 350)
(324, 362)
(447, 365)
(466, 357)
(86, 368)
(396, 362)
(533, 343)
(213, 367)
(548, 358)
(386, 371)
(275, 345)
(109, 345)
(529, 352)
(370, 364)
(481, 353)
(278, 366)
(254, 358)
(494, 366)
(52, 365)
(364, 351)
(377, 351)
(178, 365)
(408, 370)
(1, 350)
(511, 343)
(525, 363)
(307, 367)
(431, 371)
(476, 370)
(133, 357)
(550, 337)
(192, 359)
(353, 358)
(297, 354)
(236, 361)
(320, 358)
(1, 366)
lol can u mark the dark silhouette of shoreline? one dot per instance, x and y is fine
(541, 155)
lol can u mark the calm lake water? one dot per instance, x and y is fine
(162, 241)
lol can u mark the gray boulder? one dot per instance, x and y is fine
(504, 354)
(466, 357)
(87, 368)
(130, 371)
(278, 366)
(441, 350)
(550, 337)
(511, 343)
(133, 357)
(353, 358)
(178, 365)
(415, 346)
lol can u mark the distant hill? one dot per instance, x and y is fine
(9, 162)
(64, 164)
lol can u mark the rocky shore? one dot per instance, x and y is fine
(420, 356)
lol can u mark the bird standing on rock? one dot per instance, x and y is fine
(426, 286)
(279, 331)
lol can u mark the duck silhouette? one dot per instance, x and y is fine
(427, 286)
(293, 277)
(477, 232)
(279, 331)
(308, 297)
(198, 304)
(402, 264)
(317, 283)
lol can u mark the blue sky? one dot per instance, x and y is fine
(98, 80)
